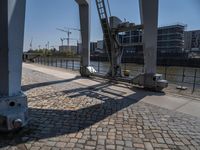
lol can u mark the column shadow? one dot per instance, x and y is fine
(49, 123)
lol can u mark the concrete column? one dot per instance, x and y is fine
(13, 103)
(149, 19)
(84, 11)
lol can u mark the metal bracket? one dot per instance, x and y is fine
(150, 81)
(13, 112)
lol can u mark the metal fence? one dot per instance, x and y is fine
(182, 76)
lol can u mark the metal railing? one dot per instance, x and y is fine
(182, 76)
(73, 63)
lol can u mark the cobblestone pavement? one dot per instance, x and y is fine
(67, 115)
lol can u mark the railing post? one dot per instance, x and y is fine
(51, 61)
(66, 64)
(183, 75)
(165, 72)
(194, 83)
(125, 67)
(48, 61)
(98, 64)
(56, 62)
(73, 64)
(61, 63)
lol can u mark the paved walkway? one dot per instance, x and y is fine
(68, 112)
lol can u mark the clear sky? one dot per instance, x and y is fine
(44, 16)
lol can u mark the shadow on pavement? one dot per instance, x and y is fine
(49, 123)
(37, 85)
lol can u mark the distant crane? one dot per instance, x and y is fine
(63, 39)
(75, 29)
(67, 30)
(68, 34)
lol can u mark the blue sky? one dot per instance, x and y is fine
(44, 16)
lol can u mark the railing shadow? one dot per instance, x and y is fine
(49, 123)
(38, 85)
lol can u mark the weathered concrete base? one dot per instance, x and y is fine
(13, 112)
(86, 71)
(151, 81)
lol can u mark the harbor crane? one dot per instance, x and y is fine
(112, 26)
(13, 102)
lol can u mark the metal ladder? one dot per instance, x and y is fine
(105, 25)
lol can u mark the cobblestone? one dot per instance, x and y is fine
(68, 115)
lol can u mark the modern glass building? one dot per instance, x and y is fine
(170, 40)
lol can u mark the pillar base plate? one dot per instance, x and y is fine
(87, 71)
(13, 112)
(150, 81)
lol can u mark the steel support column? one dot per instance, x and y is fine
(13, 104)
(85, 14)
(149, 19)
